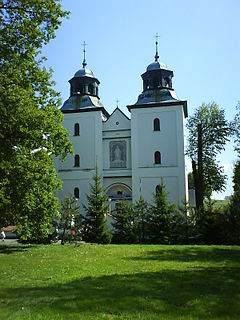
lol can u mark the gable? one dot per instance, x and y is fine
(117, 121)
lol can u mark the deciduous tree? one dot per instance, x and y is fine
(234, 208)
(236, 126)
(69, 219)
(208, 133)
(30, 120)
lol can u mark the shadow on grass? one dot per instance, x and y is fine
(8, 249)
(205, 294)
(191, 254)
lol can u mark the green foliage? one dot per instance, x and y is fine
(159, 219)
(234, 208)
(124, 223)
(30, 120)
(96, 229)
(236, 128)
(190, 181)
(141, 214)
(215, 134)
(70, 219)
(211, 228)
(182, 225)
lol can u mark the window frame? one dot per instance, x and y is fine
(76, 160)
(76, 129)
(76, 193)
(156, 124)
(157, 157)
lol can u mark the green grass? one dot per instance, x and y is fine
(119, 282)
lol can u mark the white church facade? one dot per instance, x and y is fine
(133, 155)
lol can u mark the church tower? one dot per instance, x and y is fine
(83, 117)
(157, 136)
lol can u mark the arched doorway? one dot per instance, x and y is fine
(117, 192)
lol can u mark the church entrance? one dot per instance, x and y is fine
(117, 192)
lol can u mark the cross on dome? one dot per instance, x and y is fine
(156, 55)
(84, 54)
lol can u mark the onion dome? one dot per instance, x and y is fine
(156, 65)
(83, 90)
(84, 72)
(157, 83)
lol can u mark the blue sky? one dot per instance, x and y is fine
(199, 41)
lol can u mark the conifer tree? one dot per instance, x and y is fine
(96, 229)
(159, 221)
(141, 212)
(124, 224)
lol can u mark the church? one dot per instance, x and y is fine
(133, 154)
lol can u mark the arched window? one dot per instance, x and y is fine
(157, 157)
(76, 193)
(76, 129)
(76, 161)
(156, 124)
(90, 88)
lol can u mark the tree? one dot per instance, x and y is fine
(182, 224)
(141, 213)
(190, 181)
(124, 223)
(159, 219)
(234, 208)
(70, 218)
(208, 133)
(96, 229)
(236, 127)
(30, 120)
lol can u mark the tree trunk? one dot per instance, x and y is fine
(195, 179)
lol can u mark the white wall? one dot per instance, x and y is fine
(89, 146)
(169, 141)
(141, 174)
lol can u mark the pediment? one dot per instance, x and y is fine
(117, 121)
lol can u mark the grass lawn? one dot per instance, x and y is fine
(119, 282)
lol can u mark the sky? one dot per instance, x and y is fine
(198, 40)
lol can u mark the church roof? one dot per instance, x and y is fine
(183, 103)
(78, 101)
(117, 121)
(84, 72)
(155, 96)
(156, 65)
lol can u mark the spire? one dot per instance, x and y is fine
(84, 55)
(156, 55)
